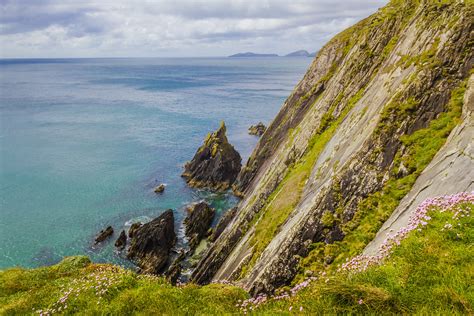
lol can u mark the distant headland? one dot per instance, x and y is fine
(298, 53)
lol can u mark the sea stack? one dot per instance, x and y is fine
(152, 242)
(216, 163)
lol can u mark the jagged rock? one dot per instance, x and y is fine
(366, 104)
(258, 129)
(152, 242)
(197, 222)
(215, 165)
(133, 229)
(174, 271)
(223, 222)
(160, 188)
(104, 234)
(121, 241)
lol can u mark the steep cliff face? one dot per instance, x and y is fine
(375, 106)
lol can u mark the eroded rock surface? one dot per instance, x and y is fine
(215, 165)
(152, 242)
(121, 241)
(258, 129)
(197, 222)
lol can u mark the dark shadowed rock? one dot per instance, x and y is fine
(174, 271)
(258, 129)
(197, 223)
(159, 189)
(151, 243)
(133, 229)
(223, 222)
(121, 241)
(215, 165)
(104, 234)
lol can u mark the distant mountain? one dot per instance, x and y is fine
(299, 53)
(313, 54)
(250, 54)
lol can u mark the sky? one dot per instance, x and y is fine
(172, 28)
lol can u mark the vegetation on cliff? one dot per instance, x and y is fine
(429, 272)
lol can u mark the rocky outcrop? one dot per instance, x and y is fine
(258, 129)
(104, 234)
(133, 229)
(197, 222)
(152, 242)
(345, 135)
(174, 271)
(121, 242)
(160, 188)
(215, 165)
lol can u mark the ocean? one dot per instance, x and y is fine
(83, 142)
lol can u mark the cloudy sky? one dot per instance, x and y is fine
(159, 28)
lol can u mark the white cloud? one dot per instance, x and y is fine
(55, 28)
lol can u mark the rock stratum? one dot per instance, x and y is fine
(380, 121)
(216, 163)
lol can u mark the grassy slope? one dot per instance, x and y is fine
(430, 273)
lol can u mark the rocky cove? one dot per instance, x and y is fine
(356, 199)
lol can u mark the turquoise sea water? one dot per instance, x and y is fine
(84, 141)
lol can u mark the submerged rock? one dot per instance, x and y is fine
(197, 223)
(133, 229)
(215, 165)
(160, 188)
(104, 234)
(121, 241)
(152, 242)
(258, 129)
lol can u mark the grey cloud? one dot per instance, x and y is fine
(135, 27)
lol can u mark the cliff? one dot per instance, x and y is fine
(348, 145)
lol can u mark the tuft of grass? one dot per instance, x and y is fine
(77, 286)
(430, 273)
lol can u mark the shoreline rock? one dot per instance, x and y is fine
(133, 229)
(159, 189)
(104, 234)
(198, 222)
(258, 129)
(216, 163)
(121, 242)
(152, 242)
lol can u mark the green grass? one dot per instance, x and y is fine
(430, 273)
(27, 291)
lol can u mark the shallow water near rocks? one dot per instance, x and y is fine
(83, 142)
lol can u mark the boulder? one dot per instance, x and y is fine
(121, 241)
(258, 129)
(133, 229)
(104, 234)
(215, 165)
(152, 242)
(159, 189)
(197, 222)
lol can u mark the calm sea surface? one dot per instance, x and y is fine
(84, 141)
